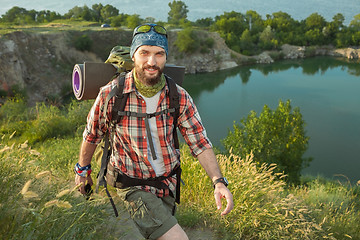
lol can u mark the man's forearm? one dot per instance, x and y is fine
(208, 161)
(86, 152)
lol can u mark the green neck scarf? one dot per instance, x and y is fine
(148, 91)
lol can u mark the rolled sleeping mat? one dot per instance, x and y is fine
(88, 78)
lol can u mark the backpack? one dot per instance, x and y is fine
(107, 173)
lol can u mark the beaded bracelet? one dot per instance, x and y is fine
(82, 171)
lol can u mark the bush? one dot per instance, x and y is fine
(83, 43)
(273, 137)
(187, 41)
(49, 122)
(14, 109)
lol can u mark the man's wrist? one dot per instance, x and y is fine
(82, 171)
(222, 180)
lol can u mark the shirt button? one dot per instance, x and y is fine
(144, 155)
(144, 137)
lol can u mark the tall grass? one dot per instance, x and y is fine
(38, 199)
(263, 209)
(43, 121)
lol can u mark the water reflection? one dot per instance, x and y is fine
(325, 89)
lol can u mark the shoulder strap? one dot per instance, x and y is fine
(120, 98)
(174, 103)
(120, 101)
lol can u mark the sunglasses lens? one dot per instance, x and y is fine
(160, 29)
(143, 29)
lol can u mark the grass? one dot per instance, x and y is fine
(56, 25)
(38, 199)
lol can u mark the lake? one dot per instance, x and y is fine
(327, 91)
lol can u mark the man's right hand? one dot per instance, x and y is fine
(84, 181)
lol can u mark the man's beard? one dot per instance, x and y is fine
(147, 80)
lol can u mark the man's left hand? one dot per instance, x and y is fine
(223, 192)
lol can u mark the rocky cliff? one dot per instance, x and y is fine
(42, 62)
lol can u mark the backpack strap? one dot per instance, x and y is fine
(174, 104)
(120, 101)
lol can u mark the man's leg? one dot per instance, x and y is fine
(176, 232)
(152, 215)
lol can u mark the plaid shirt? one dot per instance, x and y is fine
(129, 140)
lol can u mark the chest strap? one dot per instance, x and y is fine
(146, 117)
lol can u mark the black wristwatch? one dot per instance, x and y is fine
(221, 180)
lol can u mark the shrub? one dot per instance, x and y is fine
(49, 122)
(187, 41)
(273, 137)
(14, 109)
(83, 43)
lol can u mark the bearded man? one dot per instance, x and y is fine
(143, 148)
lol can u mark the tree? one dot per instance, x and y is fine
(355, 23)
(246, 43)
(273, 137)
(315, 21)
(108, 11)
(187, 41)
(255, 22)
(267, 39)
(178, 11)
(132, 21)
(97, 12)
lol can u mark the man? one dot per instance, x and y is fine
(146, 151)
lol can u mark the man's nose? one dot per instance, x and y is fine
(151, 60)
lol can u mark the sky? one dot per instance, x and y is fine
(159, 9)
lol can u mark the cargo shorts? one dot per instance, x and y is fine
(152, 215)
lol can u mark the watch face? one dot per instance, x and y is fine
(226, 181)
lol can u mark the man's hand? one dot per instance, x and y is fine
(223, 192)
(84, 181)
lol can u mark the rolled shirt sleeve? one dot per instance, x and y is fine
(190, 125)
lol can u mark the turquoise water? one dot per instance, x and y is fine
(326, 90)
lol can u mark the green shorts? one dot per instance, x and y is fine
(153, 216)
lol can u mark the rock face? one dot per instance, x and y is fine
(36, 63)
(349, 53)
(292, 52)
(218, 58)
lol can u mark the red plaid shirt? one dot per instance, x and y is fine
(130, 153)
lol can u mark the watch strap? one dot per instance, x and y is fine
(221, 180)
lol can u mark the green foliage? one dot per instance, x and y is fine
(49, 122)
(14, 116)
(132, 21)
(178, 12)
(273, 137)
(83, 43)
(187, 40)
(19, 15)
(43, 121)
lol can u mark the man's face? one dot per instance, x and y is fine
(149, 63)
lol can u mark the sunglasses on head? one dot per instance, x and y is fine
(147, 28)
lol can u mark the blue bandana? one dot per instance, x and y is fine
(150, 38)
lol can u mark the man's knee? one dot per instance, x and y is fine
(176, 232)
